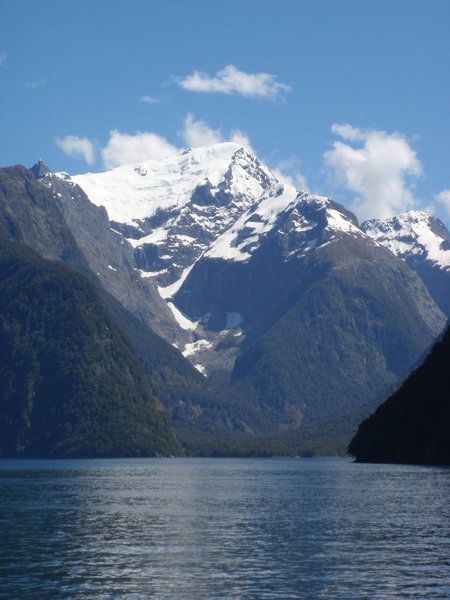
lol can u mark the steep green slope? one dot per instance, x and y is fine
(70, 384)
(194, 404)
(31, 212)
(350, 328)
(413, 425)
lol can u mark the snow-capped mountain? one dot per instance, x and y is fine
(413, 235)
(218, 202)
(255, 270)
(219, 205)
(258, 255)
(279, 295)
(171, 210)
(108, 255)
(300, 220)
(293, 312)
(423, 242)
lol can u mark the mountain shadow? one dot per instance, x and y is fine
(413, 425)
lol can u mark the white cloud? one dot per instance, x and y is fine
(197, 133)
(123, 149)
(231, 80)
(150, 99)
(287, 172)
(241, 138)
(296, 180)
(444, 199)
(32, 85)
(3, 57)
(377, 170)
(77, 147)
(348, 132)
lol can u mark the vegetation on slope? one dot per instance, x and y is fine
(30, 213)
(70, 384)
(340, 339)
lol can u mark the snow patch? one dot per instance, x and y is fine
(171, 290)
(231, 245)
(410, 234)
(181, 319)
(194, 347)
(156, 237)
(337, 220)
(200, 368)
(145, 274)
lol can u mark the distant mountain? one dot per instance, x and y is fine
(413, 425)
(290, 313)
(423, 242)
(35, 208)
(106, 253)
(70, 384)
(290, 307)
(318, 315)
(172, 210)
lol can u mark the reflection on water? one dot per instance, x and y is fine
(223, 528)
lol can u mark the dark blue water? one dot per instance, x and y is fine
(219, 528)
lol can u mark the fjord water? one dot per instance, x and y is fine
(223, 528)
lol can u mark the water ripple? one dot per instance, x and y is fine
(194, 528)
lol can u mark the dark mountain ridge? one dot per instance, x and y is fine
(413, 425)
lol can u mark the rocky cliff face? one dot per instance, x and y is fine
(108, 254)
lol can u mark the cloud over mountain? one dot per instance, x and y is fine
(375, 165)
(196, 133)
(230, 80)
(77, 147)
(123, 148)
(444, 199)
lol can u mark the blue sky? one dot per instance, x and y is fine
(349, 98)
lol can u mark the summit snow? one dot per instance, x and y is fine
(275, 294)
(423, 242)
(413, 234)
(203, 222)
(171, 210)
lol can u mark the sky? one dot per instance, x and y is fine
(348, 99)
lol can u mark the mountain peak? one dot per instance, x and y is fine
(40, 169)
(407, 219)
(413, 235)
(133, 193)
